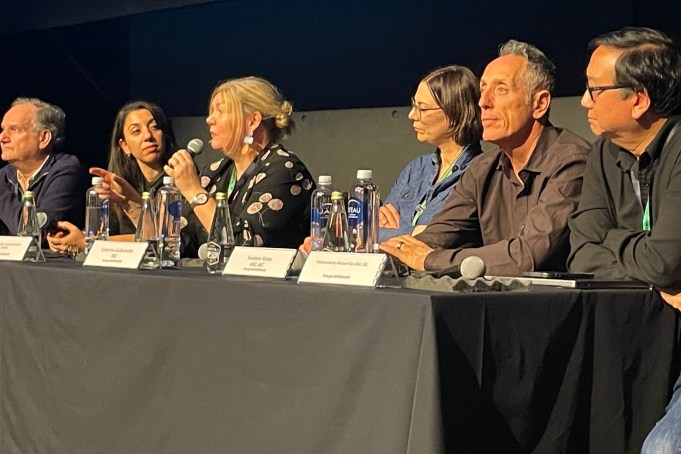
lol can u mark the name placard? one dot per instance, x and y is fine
(116, 254)
(14, 248)
(342, 268)
(260, 261)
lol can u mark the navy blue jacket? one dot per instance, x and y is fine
(58, 189)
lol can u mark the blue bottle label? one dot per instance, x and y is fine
(355, 212)
(175, 209)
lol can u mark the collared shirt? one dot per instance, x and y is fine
(29, 180)
(512, 226)
(416, 184)
(607, 236)
(59, 190)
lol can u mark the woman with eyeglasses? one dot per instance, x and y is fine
(445, 113)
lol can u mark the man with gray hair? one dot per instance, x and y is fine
(511, 206)
(31, 138)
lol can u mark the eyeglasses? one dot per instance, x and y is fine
(418, 110)
(591, 90)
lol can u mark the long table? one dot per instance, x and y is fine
(176, 361)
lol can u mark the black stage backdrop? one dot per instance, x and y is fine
(91, 57)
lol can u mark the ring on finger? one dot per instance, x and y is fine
(400, 244)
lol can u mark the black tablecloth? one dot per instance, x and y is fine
(554, 370)
(170, 361)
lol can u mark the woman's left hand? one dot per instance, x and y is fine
(389, 217)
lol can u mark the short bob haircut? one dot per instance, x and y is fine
(457, 91)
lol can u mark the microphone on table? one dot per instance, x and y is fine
(194, 147)
(470, 268)
(42, 219)
(203, 250)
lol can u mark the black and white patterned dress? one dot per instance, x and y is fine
(272, 198)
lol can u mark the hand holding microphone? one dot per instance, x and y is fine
(182, 168)
(194, 147)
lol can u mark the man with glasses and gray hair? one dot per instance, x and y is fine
(628, 222)
(31, 138)
(511, 206)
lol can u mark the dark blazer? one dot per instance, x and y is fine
(58, 189)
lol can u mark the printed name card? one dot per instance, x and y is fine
(260, 261)
(116, 254)
(14, 248)
(343, 268)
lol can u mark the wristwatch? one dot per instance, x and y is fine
(199, 199)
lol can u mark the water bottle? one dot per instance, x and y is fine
(221, 238)
(169, 211)
(248, 240)
(319, 213)
(336, 235)
(29, 226)
(363, 203)
(146, 232)
(96, 215)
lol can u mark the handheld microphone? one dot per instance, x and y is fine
(470, 268)
(195, 146)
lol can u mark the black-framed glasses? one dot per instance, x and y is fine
(591, 90)
(419, 109)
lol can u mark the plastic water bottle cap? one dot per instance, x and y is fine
(168, 180)
(364, 174)
(97, 180)
(325, 179)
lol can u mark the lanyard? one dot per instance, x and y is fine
(421, 207)
(232, 182)
(250, 171)
(646, 216)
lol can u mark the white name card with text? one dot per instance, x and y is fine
(116, 254)
(14, 248)
(260, 261)
(343, 268)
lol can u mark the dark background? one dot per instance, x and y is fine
(90, 57)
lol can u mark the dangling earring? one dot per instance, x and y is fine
(249, 137)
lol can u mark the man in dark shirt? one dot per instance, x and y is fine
(32, 133)
(628, 224)
(511, 206)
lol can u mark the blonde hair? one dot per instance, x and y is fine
(244, 96)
